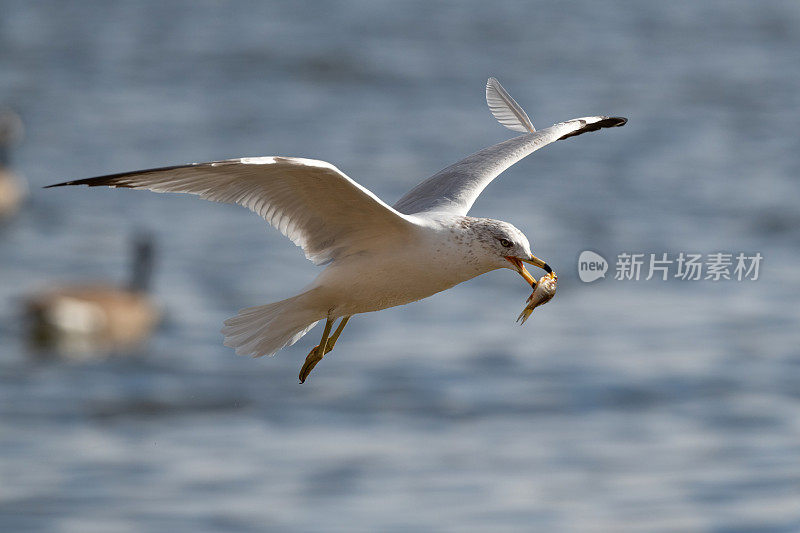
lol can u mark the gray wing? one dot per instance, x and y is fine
(312, 202)
(455, 189)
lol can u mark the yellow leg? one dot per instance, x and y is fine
(325, 345)
(335, 336)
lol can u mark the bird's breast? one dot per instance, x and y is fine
(373, 281)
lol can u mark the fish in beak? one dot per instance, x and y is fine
(542, 293)
(535, 261)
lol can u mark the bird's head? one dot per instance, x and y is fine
(507, 247)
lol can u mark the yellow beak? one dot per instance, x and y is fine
(535, 261)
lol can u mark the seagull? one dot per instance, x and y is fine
(376, 256)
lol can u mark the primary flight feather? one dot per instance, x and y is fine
(376, 256)
(505, 109)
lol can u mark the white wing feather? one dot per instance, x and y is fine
(312, 202)
(507, 111)
(454, 189)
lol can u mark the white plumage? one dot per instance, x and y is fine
(377, 256)
(505, 109)
(301, 198)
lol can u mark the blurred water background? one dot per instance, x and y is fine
(621, 406)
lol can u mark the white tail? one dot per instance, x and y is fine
(505, 109)
(265, 329)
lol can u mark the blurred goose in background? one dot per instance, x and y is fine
(81, 319)
(12, 187)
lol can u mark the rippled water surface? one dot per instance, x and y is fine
(620, 406)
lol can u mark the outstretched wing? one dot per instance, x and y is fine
(312, 202)
(455, 189)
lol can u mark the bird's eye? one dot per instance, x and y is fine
(506, 243)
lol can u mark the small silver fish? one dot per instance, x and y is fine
(543, 292)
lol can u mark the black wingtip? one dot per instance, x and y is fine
(101, 181)
(72, 182)
(119, 180)
(606, 122)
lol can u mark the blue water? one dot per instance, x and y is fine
(620, 406)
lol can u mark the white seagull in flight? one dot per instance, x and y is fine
(376, 256)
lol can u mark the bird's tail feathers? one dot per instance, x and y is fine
(265, 329)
